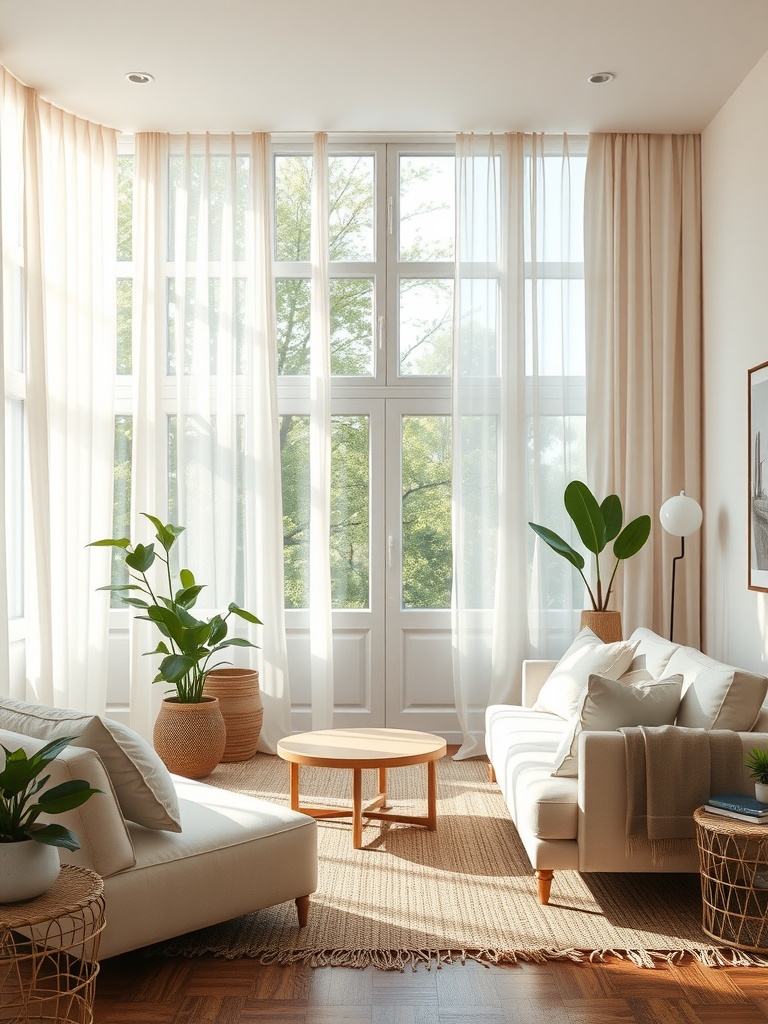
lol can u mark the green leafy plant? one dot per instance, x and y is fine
(757, 763)
(598, 524)
(190, 644)
(22, 800)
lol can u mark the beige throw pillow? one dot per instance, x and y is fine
(609, 704)
(142, 783)
(716, 696)
(586, 656)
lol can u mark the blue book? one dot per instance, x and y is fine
(740, 803)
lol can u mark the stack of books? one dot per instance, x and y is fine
(739, 806)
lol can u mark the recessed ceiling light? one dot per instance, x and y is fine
(601, 77)
(140, 77)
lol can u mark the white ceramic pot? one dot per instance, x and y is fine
(761, 792)
(27, 869)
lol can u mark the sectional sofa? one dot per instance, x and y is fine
(561, 758)
(175, 854)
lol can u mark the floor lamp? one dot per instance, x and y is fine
(680, 516)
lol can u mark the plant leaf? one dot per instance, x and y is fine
(141, 558)
(248, 616)
(65, 796)
(187, 579)
(559, 545)
(582, 507)
(632, 537)
(55, 835)
(613, 516)
(175, 667)
(114, 542)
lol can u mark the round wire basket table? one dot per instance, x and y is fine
(48, 951)
(733, 862)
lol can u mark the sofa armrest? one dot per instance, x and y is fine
(535, 674)
(602, 801)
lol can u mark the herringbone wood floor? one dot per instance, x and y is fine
(135, 990)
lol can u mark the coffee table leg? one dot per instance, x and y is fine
(357, 808)
(294, 786)
(383, 787)
(432, 795)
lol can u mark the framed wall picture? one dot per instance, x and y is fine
(757, 504)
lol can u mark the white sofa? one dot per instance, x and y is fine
(175, 855)
(577, 819)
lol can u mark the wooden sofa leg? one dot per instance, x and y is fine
(302, 909)
(491, 772)
(544, 882)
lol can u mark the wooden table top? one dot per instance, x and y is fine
(361, 748)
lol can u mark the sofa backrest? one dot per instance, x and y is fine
(105, 844)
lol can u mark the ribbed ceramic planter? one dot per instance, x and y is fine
(607, 625)
(190, 738)
(27, 869)
(240, 700)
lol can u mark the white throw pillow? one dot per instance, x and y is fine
(586, 656)
(142, 783)
(609, 704)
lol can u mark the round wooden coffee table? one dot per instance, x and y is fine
(358, 749)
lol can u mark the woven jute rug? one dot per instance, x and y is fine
(465, 891)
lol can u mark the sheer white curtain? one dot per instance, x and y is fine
(205, 409)
(69, 244)
(643, 307)
(516, 372)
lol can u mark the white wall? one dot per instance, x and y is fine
(735, 241)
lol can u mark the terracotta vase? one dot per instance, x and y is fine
(607, 625)
(190, 738)
(240, 700)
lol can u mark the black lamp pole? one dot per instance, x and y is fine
(675, 560)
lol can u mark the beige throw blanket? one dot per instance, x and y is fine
(670, 772)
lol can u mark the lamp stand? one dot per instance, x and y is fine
(675, 560)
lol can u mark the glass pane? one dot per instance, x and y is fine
(560, 328)
(214, 337)
(214, 195)
(477, 333)
(124, 326)
(350, 506)
(125, 207)
(14, 504)
(426, 311)
(479, 492)
(121, 498)
(351, 207)
(293, 191)
(560, 209)
(294, 467)
(352, 331)
(427, 201)
(426, 511)
(561, 445)
(352, 326)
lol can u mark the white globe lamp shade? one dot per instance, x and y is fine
(681, 516)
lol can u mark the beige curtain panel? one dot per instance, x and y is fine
(643, 316)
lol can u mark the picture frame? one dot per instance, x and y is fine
(757, 484)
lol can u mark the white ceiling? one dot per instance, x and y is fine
(386, 65)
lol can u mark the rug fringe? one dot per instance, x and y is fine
(402, 959)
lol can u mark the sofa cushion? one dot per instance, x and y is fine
(653, 652)
(142, 783)
(105, 845)
(587, 655)
(715, 695)
(609, 704)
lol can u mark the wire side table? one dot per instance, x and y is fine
(48, 951)
(733, 862)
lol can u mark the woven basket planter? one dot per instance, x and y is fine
(240, 700)
(607, 625)
(190, 738)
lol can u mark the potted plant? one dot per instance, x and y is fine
(29, 861)
(598, 524)
(189, 733)
(757, 763)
